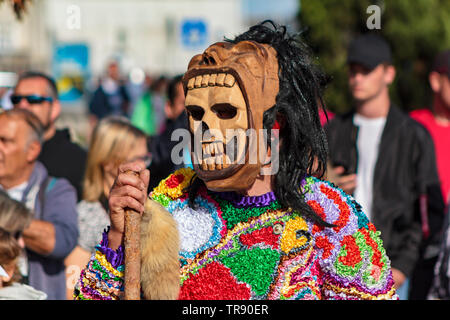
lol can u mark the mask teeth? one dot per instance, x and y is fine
(198, 81)
(226, 161)
(211, 80)
(205, 80)
(191, 83)
(210, 163)
(229, 80)
(220, 79)
(213, 157)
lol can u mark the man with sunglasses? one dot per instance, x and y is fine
(37, 92)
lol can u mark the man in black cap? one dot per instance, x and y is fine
(382, 157)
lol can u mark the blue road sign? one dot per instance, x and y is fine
(194, 33)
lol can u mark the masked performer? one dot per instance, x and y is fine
(241, 226)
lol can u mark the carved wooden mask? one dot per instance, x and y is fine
(228, 88)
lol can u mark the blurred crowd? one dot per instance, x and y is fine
(54, 192)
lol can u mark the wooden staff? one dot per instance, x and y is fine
(132, 279)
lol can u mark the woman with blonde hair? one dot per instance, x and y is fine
(114, 141)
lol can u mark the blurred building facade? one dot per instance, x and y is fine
(158, 36)
(75, 39)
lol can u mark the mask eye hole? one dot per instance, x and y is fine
(224, 111)
(195, 112)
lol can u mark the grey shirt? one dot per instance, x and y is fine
(47, 273)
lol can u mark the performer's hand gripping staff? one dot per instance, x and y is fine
(130, 192)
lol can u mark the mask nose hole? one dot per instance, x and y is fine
(204, 127)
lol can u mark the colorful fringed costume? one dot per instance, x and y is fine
(235, 247)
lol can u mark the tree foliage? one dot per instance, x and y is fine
(415, 29)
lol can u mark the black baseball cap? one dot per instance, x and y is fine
(442, 63)
(369, 50)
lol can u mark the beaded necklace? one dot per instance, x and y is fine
(238, 208)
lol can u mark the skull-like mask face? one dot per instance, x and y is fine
(228, 88)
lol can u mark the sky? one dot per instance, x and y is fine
(278, 9)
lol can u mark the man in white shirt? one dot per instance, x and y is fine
(381, 156)
(369, 136)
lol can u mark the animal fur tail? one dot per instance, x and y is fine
(160, 269)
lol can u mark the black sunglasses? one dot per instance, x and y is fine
(31, 99)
